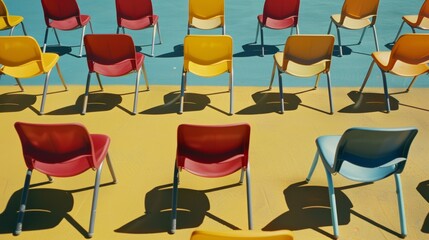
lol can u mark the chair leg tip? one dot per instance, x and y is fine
(307, 180)
(16, 233)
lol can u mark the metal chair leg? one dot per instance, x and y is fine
(174, 200)
(23, 204)
(313, 166)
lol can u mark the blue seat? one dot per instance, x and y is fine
(365, 155)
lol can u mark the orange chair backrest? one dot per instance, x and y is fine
(308, 49)
(203, 9)
(133, 9)
(359, 9)
(411, 49)
(424, 12)
(242, 235)
(18, 50)
(3, 9)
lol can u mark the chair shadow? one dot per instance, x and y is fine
(254, 49)
(369, 102)
(389, 45)
(60, 50)
(193, 102)
(346, 50)
(309, 207)
(423, 189)
(192, 207)
(269, 102)
(10, 102)
(177, 52)
(97, 102)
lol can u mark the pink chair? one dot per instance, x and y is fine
(64, 15)
(137, 15)
(212, 151)
(62, 150)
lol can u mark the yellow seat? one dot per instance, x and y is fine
(408, 58)
(9, 21)
(21, 57)
(355, 15)
(420, 21)
(207, 56)
(305, 56)
(206, 15)
(242, 235)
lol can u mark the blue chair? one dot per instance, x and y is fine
(365, 155)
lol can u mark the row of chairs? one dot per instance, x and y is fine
(277, 14)
(208, 56)
(359, 154)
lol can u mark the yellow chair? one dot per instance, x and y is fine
(355, 15)
(408, 58)
(420, 21)
(242, 235)
(207, 56)
(9, 21)
(305, 56)
(21, 57)
(206, 15)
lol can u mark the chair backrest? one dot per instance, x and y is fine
(60, 9)
(3, 9)
(411, 49)
(45, 146)
(207, 55)
(359, 9)
(212, 144)
(375, 148)
(242, 235)
(308, 50)
(206, 9)
(18, 50)
(424, 12)
(281, 9)
(133, 9)
(109, 49)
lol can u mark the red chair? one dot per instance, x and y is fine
(137, 15)
(64, 15)
(112, 55)
(212, 151)
(278, 14)
(62, 150)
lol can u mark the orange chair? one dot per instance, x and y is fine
(207, 56)
(206, 15)
(64, 15)
(355, 15)
(305, 56)
(408, 58)
(420, 21)
(9, 21)
(278, 14)
(20, 57)
(212, 151)
(62, 150)
(137, 15)
(113, 55)
(242, 235)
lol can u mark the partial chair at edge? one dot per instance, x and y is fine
(10, 21)
(408, 58)
(420, 21)
(241, 235)
(365, 155)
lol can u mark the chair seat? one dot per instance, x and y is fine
(327, 146)
(120, 68)
(203, 167)
(400, 68)
(350, 23)
(32, 68)
(412, 21)
(137, 24)
(300, 70)
(278, 23)
(206, 24)
(209, 70)
(13, 21)
(70, 23)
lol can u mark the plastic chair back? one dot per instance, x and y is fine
(46, 148)
(411, 49)
(105, 50)
(60, 9)
(308, 50)
(424, 11)
(242, 235)
(3, 10)
(280, 9)
(374, 148)
(206, 9)
(208, 55)
(359, 9)
(18, 50)
(133, 9)
(212, 145)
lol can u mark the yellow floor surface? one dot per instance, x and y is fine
(282, 148)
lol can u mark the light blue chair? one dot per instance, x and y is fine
(365, 155)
